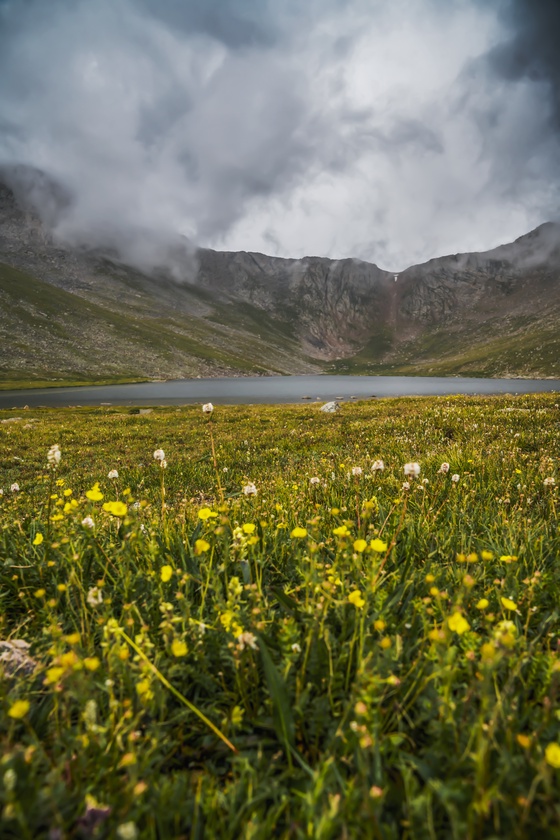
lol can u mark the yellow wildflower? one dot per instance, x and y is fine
(355, 598)
(72, 639)
(206, 513)
(379, 624)
(166, 573)
(19, 709)
(53, 675)
(552, 755)
(178, 648)
(385, 642)
(508, 604)
(95, 494)
(38, 539)
(482, 604)
(378, 545)
(341, 531)
(488, 652)
(523, 741)
(40, 593)
(458, 623)
(486, 555)
(115, 508)
(249, 528)
(92, 663)
(360, 546)
(298, 533)
(201, 546)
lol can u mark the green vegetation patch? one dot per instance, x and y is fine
(270, 621)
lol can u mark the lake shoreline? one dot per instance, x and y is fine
(243, 390)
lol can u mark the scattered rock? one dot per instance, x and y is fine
(11, 420)
(14, 657)
(330, 407)
(145, 410)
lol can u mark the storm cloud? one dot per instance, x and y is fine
(388, 132)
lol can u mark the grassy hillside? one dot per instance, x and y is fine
(340, 655)
(50, 334)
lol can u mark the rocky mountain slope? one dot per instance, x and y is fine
(74, 314)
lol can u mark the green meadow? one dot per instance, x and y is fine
(267, 634)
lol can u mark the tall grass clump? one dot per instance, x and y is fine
(280, 622)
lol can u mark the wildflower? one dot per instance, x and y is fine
(314, 480)
(113, 474)
(482, 604)
(95, 494)
(486, 555)
(385, 642)
(355, 598)
(127, 831)
(360, 546)
(444, 468)
(357, 471)
(458, 623)
(505, 633)
(549, 482)
(249, 528)
(341, 531)
(296, 648)
(178, 648)
(247, 639)
(53, 456)
(523, 741)
(552, 755)
(250, 489)
(15, 487)
(159, 455)
(377, 466)
(455, 478)
(406, 486)
(298, 533)
(115, 508)
(425, 481)
(378, 545)
(19, 709)
(201, 546)
(166, 573)
(40, 593)
(88, 522)
(94, 596)
(508, 604)
(206, 513)
(92, 663)
(412, 469)
(38, 539)
(379, 625)
(207, 408)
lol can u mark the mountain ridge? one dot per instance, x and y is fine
(209, 312)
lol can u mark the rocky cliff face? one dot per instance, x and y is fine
(254, 313)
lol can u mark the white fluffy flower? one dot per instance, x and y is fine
(314, 480)
(247, 639)
(15, 487)
(357, 471)
(444, 468)
(412, 469)
(406, 485)
(549, 482)
(88, 522)
(208, 408)
(159, 455)
(94, 596)
(54, 455)
(378, 466)
(113, 474)
(455, 478)
(250, 489)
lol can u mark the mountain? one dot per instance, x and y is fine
(75, 314)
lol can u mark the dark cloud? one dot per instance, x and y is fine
(531, 52)
(391, 132)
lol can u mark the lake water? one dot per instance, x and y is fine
(269, 389)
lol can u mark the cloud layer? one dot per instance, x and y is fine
(390, 132)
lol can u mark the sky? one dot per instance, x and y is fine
(391, 132)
